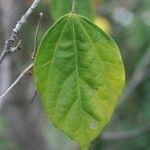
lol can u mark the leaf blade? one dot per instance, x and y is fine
(84, 80)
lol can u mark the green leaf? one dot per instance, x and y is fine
(60, 8)
(79, 75)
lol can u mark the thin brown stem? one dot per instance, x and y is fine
(36, 36)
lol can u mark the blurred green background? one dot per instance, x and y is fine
(128, 22)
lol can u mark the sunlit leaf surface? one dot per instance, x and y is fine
(79, 75)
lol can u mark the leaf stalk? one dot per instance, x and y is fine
(73, 6)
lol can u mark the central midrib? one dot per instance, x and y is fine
(77, 74)
(76, 60)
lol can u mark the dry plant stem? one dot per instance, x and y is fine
(36, 35)
(2, 100)
(8, 47)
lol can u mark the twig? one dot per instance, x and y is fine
(124, 135)
(14, 84)
(36, 35)
(8, 47)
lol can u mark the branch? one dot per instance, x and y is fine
(8, 47)
(124, 135)
(14, 84)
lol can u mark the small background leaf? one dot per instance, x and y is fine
(60, 8)
(79, 75)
